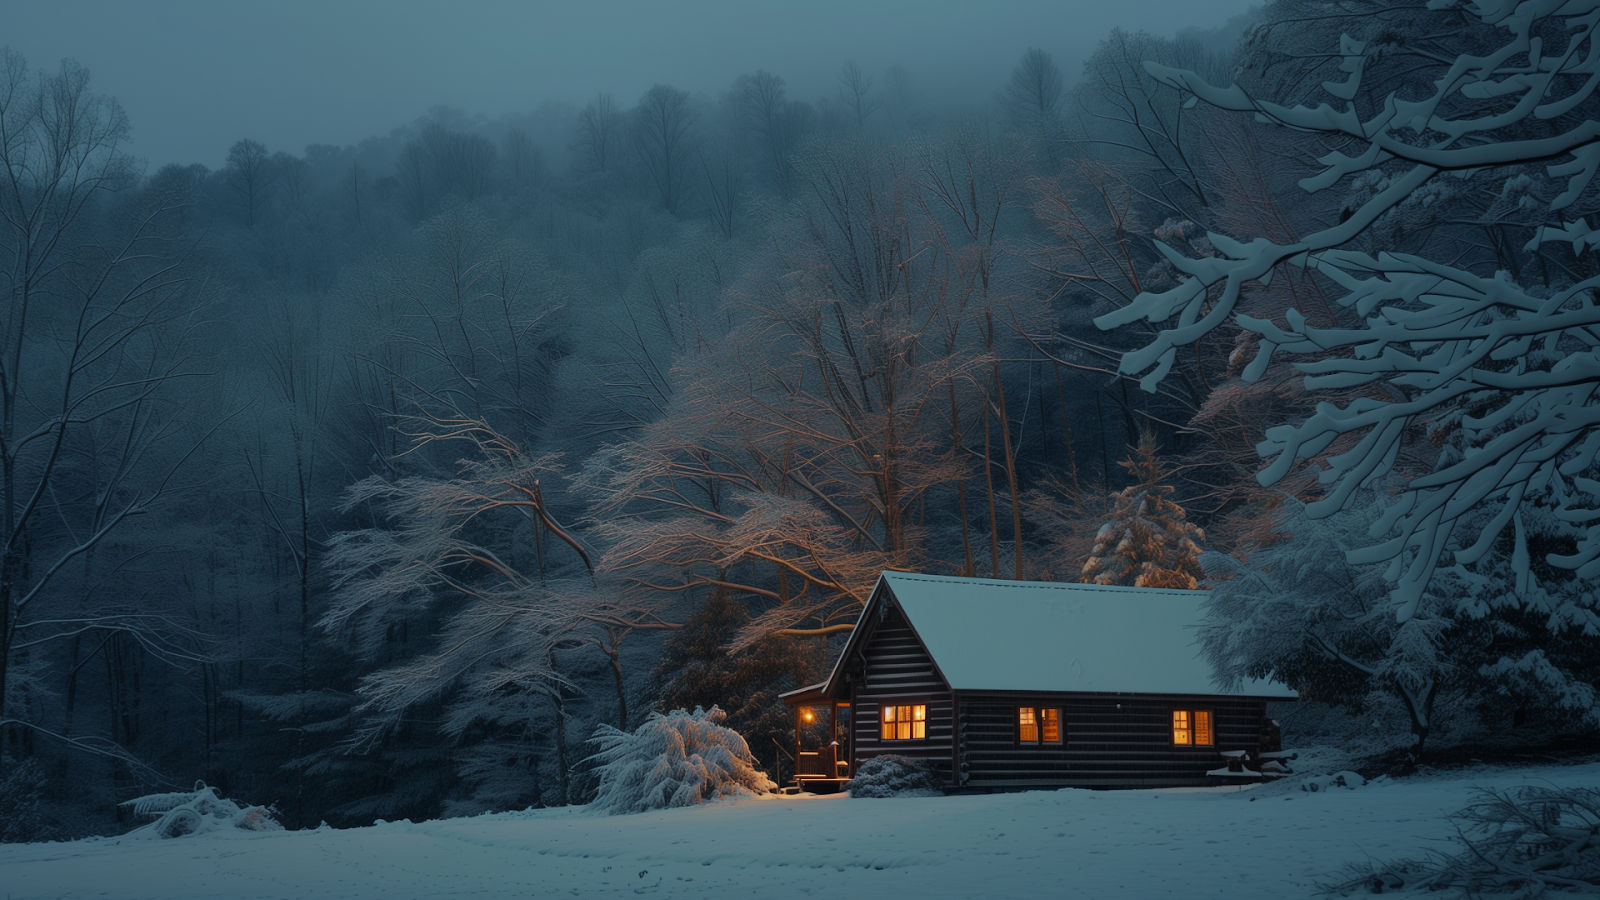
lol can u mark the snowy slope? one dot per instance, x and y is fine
(1069, 843)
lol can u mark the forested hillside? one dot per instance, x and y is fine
(369, 480)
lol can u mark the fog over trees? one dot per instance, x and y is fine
(370, 481)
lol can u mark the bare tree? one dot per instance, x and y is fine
(252, 176)
(460, 164)
(855, 91)
(663, 134)
(797, 460)
(599, 137)
(1125, 118)
(1035, 90)
(92, 321)
(779, 125)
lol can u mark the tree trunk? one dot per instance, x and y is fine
(994, 521)
(564, 769)
(961, 485)
(613, 653)
(1011, 473)
(1066, 426)
(1421, 712)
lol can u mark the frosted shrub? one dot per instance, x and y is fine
(895, 776)
(677, 759)
(200, 811)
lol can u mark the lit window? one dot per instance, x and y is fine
(1036, 722)
(1192, 727)
(1050, 718)
(905, 723)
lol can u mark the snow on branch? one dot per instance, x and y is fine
(1515, 368)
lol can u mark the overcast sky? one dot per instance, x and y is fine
(197, 76)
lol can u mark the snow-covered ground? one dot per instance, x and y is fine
(1270, 843)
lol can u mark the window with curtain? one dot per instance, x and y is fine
(1192, 727)
(1038, 725)
(905, 723)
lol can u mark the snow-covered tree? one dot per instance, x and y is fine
(673, 760)
(1488, 100)
(1148, 541)
(1300, 612)
(476, 551)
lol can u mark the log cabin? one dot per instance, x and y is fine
(1008, 685)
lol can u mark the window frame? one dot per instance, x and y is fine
(912, 704)
(1039, 726)
(1192, 729)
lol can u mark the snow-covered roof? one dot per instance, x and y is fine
(808, 689)
(1056, 636)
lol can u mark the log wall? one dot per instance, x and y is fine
(899, 671)
(1104, 746)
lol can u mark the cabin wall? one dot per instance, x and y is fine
(1104, 746)
(899, 671)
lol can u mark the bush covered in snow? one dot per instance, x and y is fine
(200, 811)
(895, 776)
(677, 759)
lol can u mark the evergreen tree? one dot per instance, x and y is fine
(1148, 541)
(697, 670)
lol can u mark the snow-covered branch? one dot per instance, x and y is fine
(1512, 366)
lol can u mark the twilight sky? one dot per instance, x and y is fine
(197, 75)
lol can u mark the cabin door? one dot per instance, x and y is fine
(813, 730)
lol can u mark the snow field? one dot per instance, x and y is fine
(1135, 844)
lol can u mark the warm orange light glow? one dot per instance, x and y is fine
(1202, 727)
(904, 723)
(807, 714)
(1027, 725)
(1180, 727)
(1050, 717)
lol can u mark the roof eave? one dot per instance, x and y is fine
(832, 685)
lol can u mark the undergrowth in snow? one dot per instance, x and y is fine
(199, 811)
(672, 760)
(1523, 842)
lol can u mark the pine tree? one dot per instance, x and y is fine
(697, 670)
(1148, 541)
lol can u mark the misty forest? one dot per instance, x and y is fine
(374, 481)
